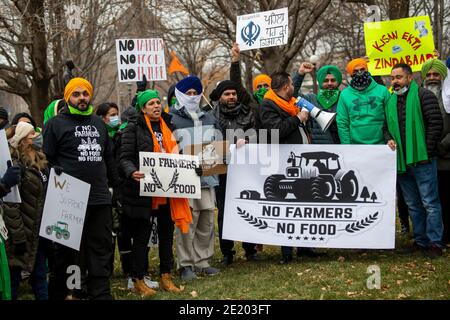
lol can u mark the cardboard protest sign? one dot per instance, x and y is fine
(136, 57)
(211, 156)
(5, 156)
(320, 196)
(262, 29)
(65, 210)
(169, 175)
(407, 41)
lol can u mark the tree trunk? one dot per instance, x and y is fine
(39, 99)
(398, 9)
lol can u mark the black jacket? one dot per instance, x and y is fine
(240, 117)
(82, 147)
(432, 119)
(272, 117)
(136, 138)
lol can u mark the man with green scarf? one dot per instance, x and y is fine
(415, 123)
(329, 79)
(77, 142)
(434, 73)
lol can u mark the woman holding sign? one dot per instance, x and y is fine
(24, 247)
(150, 131)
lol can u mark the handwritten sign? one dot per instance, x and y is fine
(14, 195)
(64, 210)
(169, 175)
(312, 196)
(136, 57)
(407, 41)
(262, 29)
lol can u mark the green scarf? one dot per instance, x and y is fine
(88, 112)
(327, 98)
(111, 131)
(5, 286)
(416, 148)
(259, 94)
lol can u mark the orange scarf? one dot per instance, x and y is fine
(179, 207)
(288, 106)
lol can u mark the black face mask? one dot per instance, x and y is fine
(361, 80)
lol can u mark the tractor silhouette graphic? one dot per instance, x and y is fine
(60, 228)
(315, 176)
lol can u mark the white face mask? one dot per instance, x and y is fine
(401, 91)
(191, 103)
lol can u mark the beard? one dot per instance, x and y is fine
(82, 102)
(434, 87)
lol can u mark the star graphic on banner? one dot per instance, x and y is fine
(305, 238)
(313, 238)
(298, 238)
(290, 238)
(322, 239)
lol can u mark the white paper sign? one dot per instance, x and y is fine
(262, 29)
(169, 175)
(65, 210)
(329, 196)
(5, 156)
(136, 57)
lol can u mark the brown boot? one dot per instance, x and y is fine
(165, 283)
(141, 288)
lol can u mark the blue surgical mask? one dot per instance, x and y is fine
(114, 121)
(37, 142)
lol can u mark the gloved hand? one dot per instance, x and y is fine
(58, 170)
(12, 175)
(199, 170)
(20, 248)
(142, 85)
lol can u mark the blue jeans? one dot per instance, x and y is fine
(420, 190)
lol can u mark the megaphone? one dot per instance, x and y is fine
(323, 118)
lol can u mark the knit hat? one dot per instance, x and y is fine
(355, 63)
(190, 82)
(3, 113)
(144, 97)
(17, 117)
(77, 83)
(261, 78)
(435, 64)
(322, 73)
(221, 88)
(23, 129)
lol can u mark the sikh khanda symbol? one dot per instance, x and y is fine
(250, 33)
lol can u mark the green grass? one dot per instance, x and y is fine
(340, 274)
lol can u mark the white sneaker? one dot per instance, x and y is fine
(147, 280)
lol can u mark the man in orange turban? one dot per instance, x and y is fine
(78, 94)
(356, 65)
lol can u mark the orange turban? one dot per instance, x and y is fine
(77, 83)
(261, 78)
(354, 63)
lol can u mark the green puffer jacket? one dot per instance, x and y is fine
(360, 115)
(23, 220)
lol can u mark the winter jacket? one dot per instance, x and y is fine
(188, 133)
(240, 119)
(272, 117)
(432, 119)
(82, 147)
(136, 138)
(23, 220)
(330, 136)
(360, 115)
(244, 97)
(443, 147)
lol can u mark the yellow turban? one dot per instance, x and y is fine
(355, 63)
(77, 83)
(261, 78)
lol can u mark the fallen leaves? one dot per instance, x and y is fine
(194, 294)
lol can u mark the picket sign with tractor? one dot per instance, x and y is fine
(60, 229)
(313, 176)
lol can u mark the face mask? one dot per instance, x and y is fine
(259, 95)
(361, 80)
(37, 142)
(114, 121)
(191, 103)
(401, 91)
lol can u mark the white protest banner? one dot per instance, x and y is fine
(262, 29)
(169, 175)
(320, 196)
(136, 57)
(65, 210)
(5, 156)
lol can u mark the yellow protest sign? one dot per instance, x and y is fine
(407, 41)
